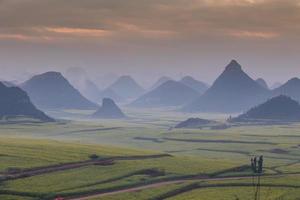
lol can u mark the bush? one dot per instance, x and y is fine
(93, 156)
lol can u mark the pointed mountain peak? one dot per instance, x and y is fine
(233, 66)
(108, 102)
(232, 91)
(51, 90)
(126, 87)
(109, 110)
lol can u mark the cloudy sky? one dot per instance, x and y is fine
(149, 38)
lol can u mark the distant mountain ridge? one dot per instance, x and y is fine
(126, 87)
(170, 93)
(291, 88)
(51, 90)
(109, 93)
(262, 83)
(199, 86)
(14, 103)
(282, 108)
(159, 82)
(275, 85)
(233, 91)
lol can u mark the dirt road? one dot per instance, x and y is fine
(23, 173)
(164, 183)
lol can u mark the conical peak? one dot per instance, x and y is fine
(234, 66)
(108, 102)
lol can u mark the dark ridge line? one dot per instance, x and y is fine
(217, 141)
(287, 136)
(87, 130)
(156, 140)
(138, 172)
(225, 151)
(197, 186)
(21, 194)
(85, 194)
(201, 141)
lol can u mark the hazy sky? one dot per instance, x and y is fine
(149, 38)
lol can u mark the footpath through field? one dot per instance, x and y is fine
(17, 174)
(165, 183)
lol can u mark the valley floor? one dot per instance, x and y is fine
(143, 158)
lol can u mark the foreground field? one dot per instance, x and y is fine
(143, 158)
(129, 168)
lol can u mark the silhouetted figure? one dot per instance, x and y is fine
(260, 164)
(252, 164)
(255, 164)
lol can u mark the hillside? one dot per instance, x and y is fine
(170, 93)
(195, 84)
(15, 103)
(109, 110)
(280, 108)
(262, 83)
(126, 87)
(233, 91)
(194, 123)
(52, 91)
(291, 88)
(159, 82)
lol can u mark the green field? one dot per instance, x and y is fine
(195, 157)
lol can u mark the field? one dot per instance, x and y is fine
(144, 158)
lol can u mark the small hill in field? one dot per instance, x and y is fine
(194, 123)
(109, 110)
(280, 108)
(15, 103)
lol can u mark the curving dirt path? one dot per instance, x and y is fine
(164, 183)
(67, 166)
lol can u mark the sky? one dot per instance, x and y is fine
(150, 38)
